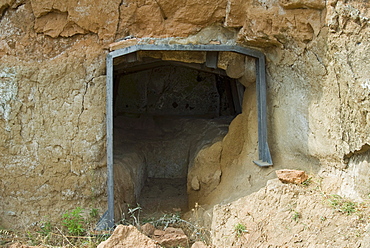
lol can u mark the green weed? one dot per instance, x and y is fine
(342, 205)
(348, 207)
(74, 222)
(307, 182)
(296, 216)
(240, 229)
(45, 228)
(94, 213)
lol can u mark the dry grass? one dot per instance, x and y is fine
(47, 234)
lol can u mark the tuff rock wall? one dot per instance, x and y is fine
(52, 88)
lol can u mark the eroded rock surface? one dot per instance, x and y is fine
(52, 82)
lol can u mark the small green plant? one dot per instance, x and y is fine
(74, 221)
(335, 200)
(147, 220)
(94, 213)
(32, 239)
(296, 216)
(342, 205)
(45, 227)
(168, 220)
(307, 182)
(348, 207)
(240, 229)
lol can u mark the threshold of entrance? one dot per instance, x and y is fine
(161, 196)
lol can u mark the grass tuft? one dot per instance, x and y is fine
(342, 205)
(240, 229)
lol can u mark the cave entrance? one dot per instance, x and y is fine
(164, 103)
(164, 112)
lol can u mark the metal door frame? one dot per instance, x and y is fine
(264, 156)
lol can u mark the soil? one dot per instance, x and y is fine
(161, 196)
(278, 215)
(289, 215)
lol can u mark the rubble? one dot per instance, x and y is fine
(292, 176)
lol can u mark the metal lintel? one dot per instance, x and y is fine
(263, 149)
(212, 59)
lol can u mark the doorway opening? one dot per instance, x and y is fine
(164, 103)
(164, 113)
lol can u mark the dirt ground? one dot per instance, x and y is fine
(278, 215)
(289, 215)
(161, 195)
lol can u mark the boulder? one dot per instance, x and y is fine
(127, 237)
(199, 244)
(292, 176)
(147, 229)
(20, 245)
(171, 237)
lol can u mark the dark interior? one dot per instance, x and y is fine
(164, 113)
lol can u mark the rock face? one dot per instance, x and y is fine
(65, 19)
(126, 237)
(165, 18)
(52, 87)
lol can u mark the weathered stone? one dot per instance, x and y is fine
(20, 245)
(5, 4)
(195, 183)
(172, 237)
(166, 18)
(158, 233)
(123, 43)
(299, 4)
(205, 174)
(235, 68)
(147, 229)
(291, 176)
(249, 76)
(68, 18)
(235, 13)
(52, 85)
(57, 24)
(127, 236)
(199, 244)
